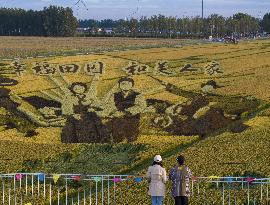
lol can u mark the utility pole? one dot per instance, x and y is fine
(202, 9)
(203, 18)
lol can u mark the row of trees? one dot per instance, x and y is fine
(51, 21)
(162, 26)
(59, 21)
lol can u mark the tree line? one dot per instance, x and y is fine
(59, 21)
(239, 24)
(51, 21)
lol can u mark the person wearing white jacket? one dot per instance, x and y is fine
(157, 178)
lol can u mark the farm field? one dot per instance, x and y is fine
(22, 47)
(246, 69)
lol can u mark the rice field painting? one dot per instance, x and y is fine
(110, 112)
(134, 102)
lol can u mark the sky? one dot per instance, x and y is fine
(116, 9)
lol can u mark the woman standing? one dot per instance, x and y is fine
(157, 178)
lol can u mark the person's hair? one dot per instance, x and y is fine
(180, 159)
(126, 79)
(157, 163)
(71, 88)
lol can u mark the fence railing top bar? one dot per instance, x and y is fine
(122, 177)
(247, 177)
(217, 177)
(85, 175)
(91, 179)
(253, 182)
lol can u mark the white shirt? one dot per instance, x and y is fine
(158, 177)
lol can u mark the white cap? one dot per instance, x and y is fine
(157, 158)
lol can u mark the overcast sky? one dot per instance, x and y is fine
(115, 9)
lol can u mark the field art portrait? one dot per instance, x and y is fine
(105, 111)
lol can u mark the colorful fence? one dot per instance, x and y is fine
(230, 190)
(71, 189)
(39, 188)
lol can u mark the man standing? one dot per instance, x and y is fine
(127, 106)
(180, 176)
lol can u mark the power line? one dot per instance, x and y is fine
(135, 12)
(82, 2)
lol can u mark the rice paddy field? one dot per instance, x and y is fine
(246, 73)
(34, 46)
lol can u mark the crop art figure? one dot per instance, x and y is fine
(79, 106)
(83, 124)
(204, 113)
(125, 107)
(11, 104)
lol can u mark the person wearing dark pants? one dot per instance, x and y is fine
(181, 200)
(180, 176)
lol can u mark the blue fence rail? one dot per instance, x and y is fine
(71, 189)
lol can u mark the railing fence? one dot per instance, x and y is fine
(71, 189)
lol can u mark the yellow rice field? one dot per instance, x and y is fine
(246, 72)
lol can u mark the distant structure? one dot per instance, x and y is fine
(203, 30)
(202, 9)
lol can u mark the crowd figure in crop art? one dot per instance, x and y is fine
(113, 118)
(121, 106)
(122, 112)
(203, 113)
(11, 116)
(195, 117)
